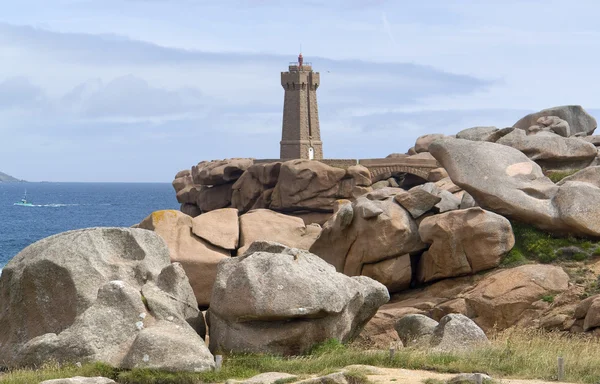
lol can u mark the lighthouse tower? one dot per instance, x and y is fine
(301, 135)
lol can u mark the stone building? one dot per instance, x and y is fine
(301, 135)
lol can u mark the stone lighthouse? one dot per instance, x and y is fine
(301, 136)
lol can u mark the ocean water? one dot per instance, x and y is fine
(62, 207)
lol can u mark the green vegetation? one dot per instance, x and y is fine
(548, 298)
(535, 245)
(515, 353)
(433, 381)
(356, 376)
(557, 176)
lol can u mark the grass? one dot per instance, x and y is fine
(535, 245)
(557, 176)
(516, 353)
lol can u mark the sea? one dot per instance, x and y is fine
(60, 207)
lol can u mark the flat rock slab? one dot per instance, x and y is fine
(80, 380)
(264, 378)
(219, 227)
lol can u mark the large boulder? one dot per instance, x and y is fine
(589, 310)
(367, 232)
(314, 186)
(292, 300)
(219, 227)
(550, 150)
(395, 274)
(515, 187)
(457, 333)
(415, 329)
(589, 175)
(578, 205)
(578, 119)
(198, 257)
(209, 198)
(423, 142)
(500, 179)
(501, 298)
(417, 201)
(552, 124)
(253, 183)
(219, 171)
(93, 295)
(267, 225)
(182, 180)
(463, 242)
(477, 134)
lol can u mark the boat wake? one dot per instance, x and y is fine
(50, 205)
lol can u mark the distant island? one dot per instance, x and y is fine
(4, 178)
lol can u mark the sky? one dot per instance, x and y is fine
(137, 90)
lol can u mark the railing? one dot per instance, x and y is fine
(303, 64)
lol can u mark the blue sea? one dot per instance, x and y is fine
(60, 207)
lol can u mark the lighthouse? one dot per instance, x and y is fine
(301, 134)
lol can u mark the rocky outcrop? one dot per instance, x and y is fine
(200, 243)
(267, 225)
(219, 172)
(501, 298)
(368, 232)
(515, 187)
(298, 187)
(311, 185)
(273, 317)
(100, 294)
(550, 150)
(463, 242)
(578, 120)
(254, 188)
(198, 257)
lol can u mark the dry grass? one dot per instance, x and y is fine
(525, 354)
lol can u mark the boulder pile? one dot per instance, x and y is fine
(200, 243)
(273, 317)
(298, 187)
(100, 294)
(284, 255)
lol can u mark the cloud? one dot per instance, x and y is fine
(388, 28)
(18, 92)
(130, 96)
(143, 111)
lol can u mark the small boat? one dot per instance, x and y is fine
(24, 202)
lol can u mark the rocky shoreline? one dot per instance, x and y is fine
(277, 257)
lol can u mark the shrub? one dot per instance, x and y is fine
(532, 244)
(548, 298)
